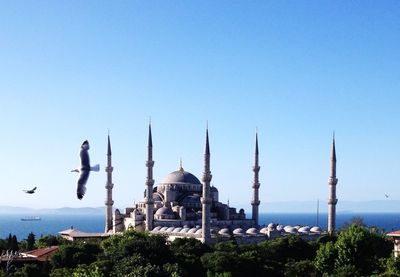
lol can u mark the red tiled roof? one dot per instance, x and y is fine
(41, 254)
(394, 234)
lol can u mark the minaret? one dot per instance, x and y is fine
(149, 184)
(109, 186)
(256, 185)
(206, 199)
(332, 191)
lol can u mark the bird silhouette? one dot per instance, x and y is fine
(30, 191)
(84, 170)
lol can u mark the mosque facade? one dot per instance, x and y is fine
(183, 206)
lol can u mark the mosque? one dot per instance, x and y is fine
(183, 206)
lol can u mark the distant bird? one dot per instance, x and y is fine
(30, 191)
(84, 170)
(387, 196)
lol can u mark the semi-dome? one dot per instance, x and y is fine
(164, 211)
(180, 177)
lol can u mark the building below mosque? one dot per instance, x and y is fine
(183, 206)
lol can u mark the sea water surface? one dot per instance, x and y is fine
(52, 224)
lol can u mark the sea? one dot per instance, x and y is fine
(51, 224)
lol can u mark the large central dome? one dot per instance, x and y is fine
(180, 177)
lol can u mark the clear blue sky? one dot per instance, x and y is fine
(296, 70)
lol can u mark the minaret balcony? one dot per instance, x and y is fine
(332, 201)
(109, 202)
(207, 178)
(256, 186)
(257, 203)
(109, 186)
(206, 200)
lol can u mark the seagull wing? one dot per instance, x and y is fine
(81, 189)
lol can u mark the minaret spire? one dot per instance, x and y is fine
(206, 199)
(332, 190)
(109, 186)
(149, 184)
(256, 185)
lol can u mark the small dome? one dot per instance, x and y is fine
(272, 226)
(177, 229)
(304, 229)
(156, 229)
(252, 231)
(238, 231)
(316, 229)
(290, 229)
(192, 231)
(224, 232)
(180, 177)
(184, 230)
(264, 230)
(199, 231)
(213, 189)
(214, 231)
(164, 211)
(170, 229)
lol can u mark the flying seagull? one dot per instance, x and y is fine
(387, 196)
(84, 170)
(30, 191)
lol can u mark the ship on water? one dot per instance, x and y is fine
(31, 218)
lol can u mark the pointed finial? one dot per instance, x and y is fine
(108, 144)
(180, 165)
(256, 142)
(333, 155)
(150, 142)
(207, 142)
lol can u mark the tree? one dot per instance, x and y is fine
(72, 255)
(12, 243)
(28, 270)
(87, 271)
(152, 249)
(187, 253)
(325, 259)
(50, 240)
(300, 268)
(31, 241)
(361, 248)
